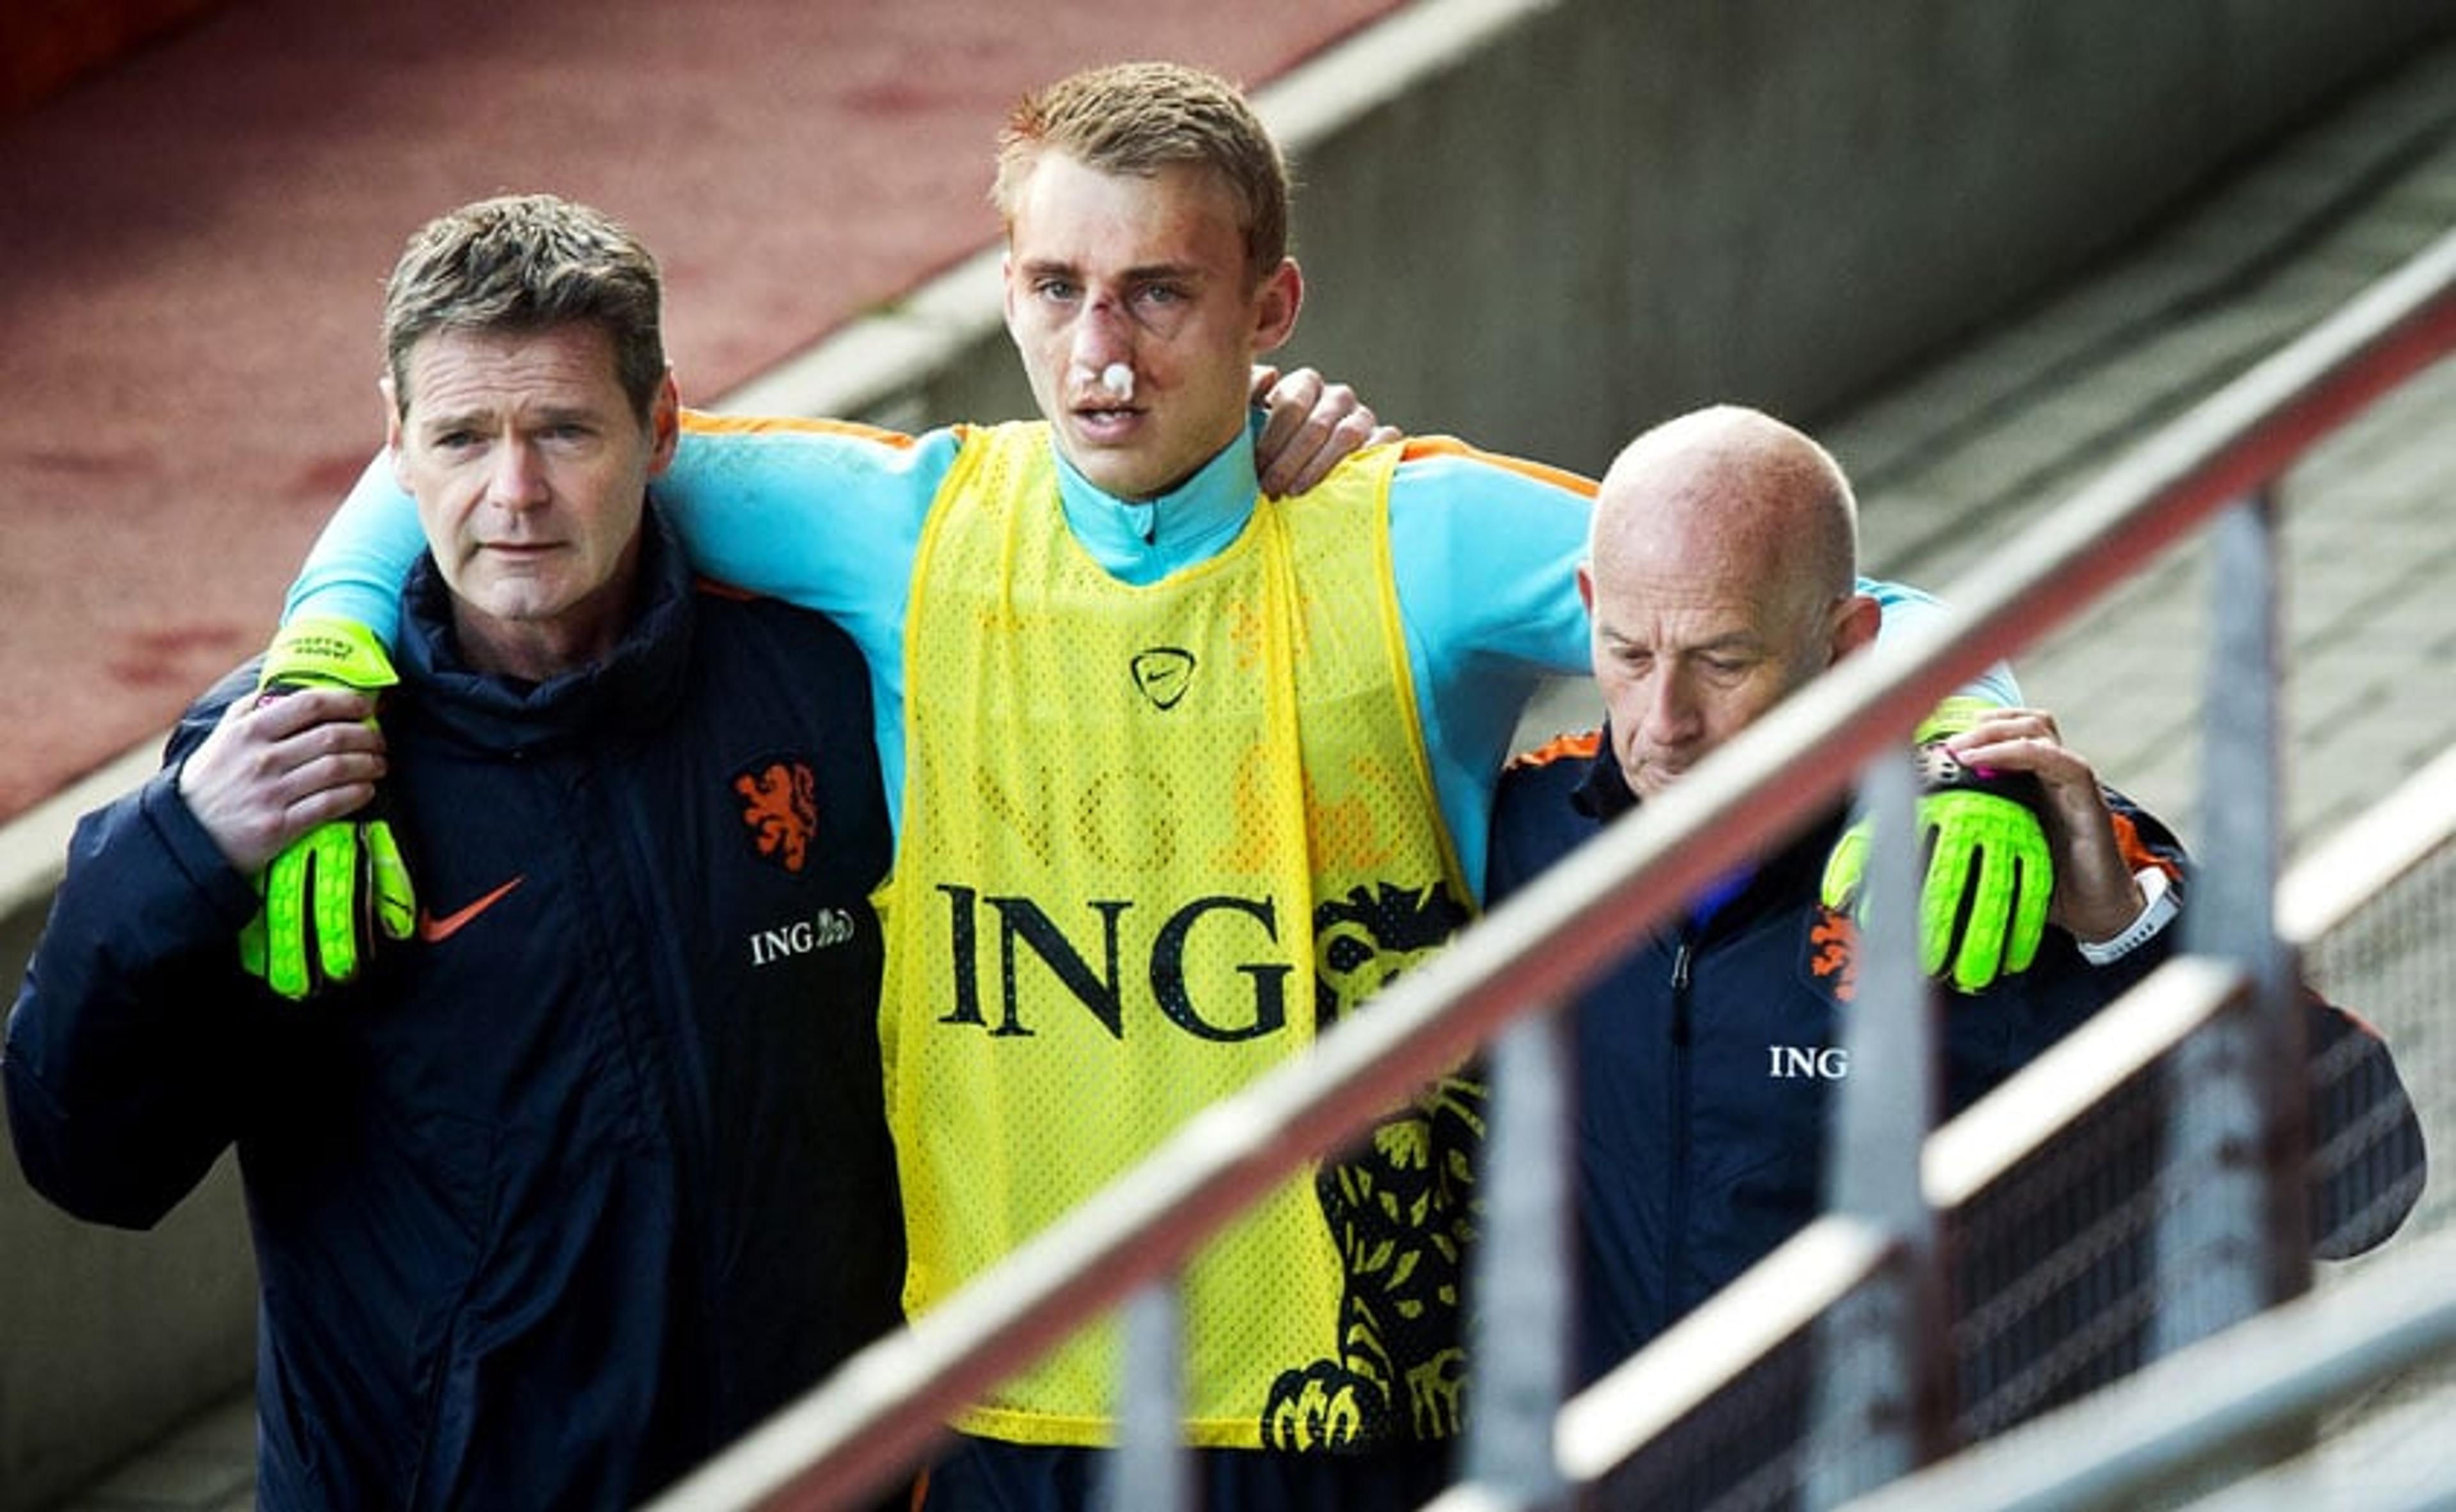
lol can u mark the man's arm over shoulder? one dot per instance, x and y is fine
(1486, 549)
(363, 556)
(1484, 555)
(124, 1062)
(824, 514)
(1906, 608)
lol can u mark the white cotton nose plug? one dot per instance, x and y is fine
(1119, 381)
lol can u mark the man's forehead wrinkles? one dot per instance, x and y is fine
(1686, 618)
(527, 403)
(1685, 645)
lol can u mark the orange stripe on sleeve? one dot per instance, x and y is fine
(1418, 447)
(702, 422)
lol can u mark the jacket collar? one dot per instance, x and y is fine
(1139, 543)
(1602, 794)
(635, 687)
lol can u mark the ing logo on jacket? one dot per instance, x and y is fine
(780, 805)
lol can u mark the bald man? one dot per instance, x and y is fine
(1721, 577)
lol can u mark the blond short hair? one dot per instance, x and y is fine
(1140, 117)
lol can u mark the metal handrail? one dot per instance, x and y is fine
(1826, 1260)
(2199, 1406)
(2076, 1073)
(2359, 860)
(882, 1410)
(1706, 1351)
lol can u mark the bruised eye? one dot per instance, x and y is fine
(1162, 307)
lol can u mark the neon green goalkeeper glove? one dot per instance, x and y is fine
(335, 891)
(1983, 905)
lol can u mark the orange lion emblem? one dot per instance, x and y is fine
(1833, 945)
(781, 805)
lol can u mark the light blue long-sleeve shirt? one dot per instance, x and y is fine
(1483, 551)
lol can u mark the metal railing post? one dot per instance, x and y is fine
(1875, 1410)
(1147, 1474)
(2233, 1241)
(1522, 1270)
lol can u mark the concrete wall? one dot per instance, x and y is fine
(1543, 225)
(1540, 225)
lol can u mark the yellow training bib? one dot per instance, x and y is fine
(1155, 839)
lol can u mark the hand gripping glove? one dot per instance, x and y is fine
(1983, 905)
(336, 890)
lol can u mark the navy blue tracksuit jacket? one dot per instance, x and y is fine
(1705, 1060)
(591, 1177)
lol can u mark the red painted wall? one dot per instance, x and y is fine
(53, 42)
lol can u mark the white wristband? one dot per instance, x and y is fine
(2154, 913)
